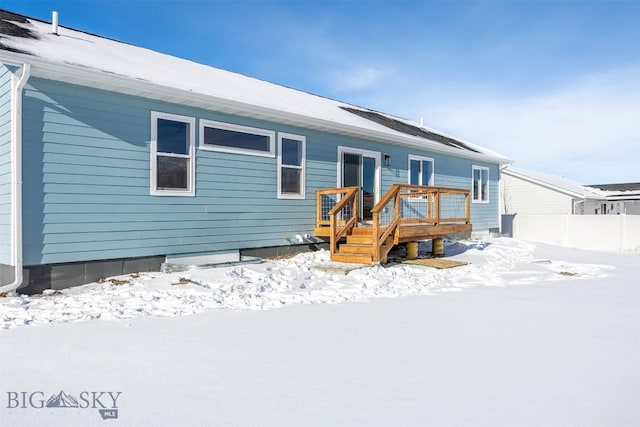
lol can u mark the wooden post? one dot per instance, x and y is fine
(332, 235)
(375, 235)
(318, 208)
(437, 207)
(396, 205)
(437, 247)
(356, 206)
(412, 250)
(467, 207)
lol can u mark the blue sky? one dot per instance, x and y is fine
(555, 85)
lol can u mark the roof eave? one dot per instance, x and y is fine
(620, 198)
(124, 84)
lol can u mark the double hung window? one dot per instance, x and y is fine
(291, 166)
(172, 148)
(480, 185)
(420, 170)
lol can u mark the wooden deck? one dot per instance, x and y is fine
(407, 213)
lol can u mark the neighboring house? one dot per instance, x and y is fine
(620, 198)
(537, 193)
(114, 157)
(544, 208)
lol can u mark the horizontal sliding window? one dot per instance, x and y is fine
(231, 138)
(172, 137)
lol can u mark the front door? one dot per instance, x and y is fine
(361, 169)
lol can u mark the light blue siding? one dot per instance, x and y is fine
(86, 184)
(5, 165)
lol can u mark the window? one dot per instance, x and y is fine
(230, 138)
(172, 170)
(291, 165)
(603, 208)
(480, 186)
(420, 170)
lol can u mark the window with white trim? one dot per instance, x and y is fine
(172, 153)
(480, 184)
(291, 166)
(420, 170)
(232, 138)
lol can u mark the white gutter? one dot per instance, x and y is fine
(17, 84)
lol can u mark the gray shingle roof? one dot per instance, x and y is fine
(631, 186)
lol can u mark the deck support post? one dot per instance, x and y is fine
(437, 246)
(412, 250)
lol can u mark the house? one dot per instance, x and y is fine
(620, 198)
(537, 193)
(116, 158)
(550, 209)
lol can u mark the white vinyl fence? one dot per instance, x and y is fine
(619, 233)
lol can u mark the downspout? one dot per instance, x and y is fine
(18, 84)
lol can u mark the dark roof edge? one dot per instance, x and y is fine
(406, 128)
(629, 186)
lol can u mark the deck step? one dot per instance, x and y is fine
(352, 258)
(362, 231)
(355, 248)
(359, 239)
(359, 247)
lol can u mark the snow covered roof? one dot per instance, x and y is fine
(96, 61)
(623, 191)
(558, 183)
(630, 186)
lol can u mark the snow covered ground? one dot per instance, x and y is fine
(524, 335)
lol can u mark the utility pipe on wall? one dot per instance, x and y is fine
(17, 84)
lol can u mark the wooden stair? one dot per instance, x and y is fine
(406, 213)
(358, 247)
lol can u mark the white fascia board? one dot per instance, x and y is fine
(146, 89)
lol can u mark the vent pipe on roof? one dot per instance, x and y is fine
(54, 22)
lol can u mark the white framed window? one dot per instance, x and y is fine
(421, 170)
(479, 184)
(231, 138)
(172, 154)
(291, 166)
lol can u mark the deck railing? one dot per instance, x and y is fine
(338, 208)
(402, 206)
(409, 205)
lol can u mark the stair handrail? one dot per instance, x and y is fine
(349, 194)
(381, 236)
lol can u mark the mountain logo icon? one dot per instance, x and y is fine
(62, 400)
